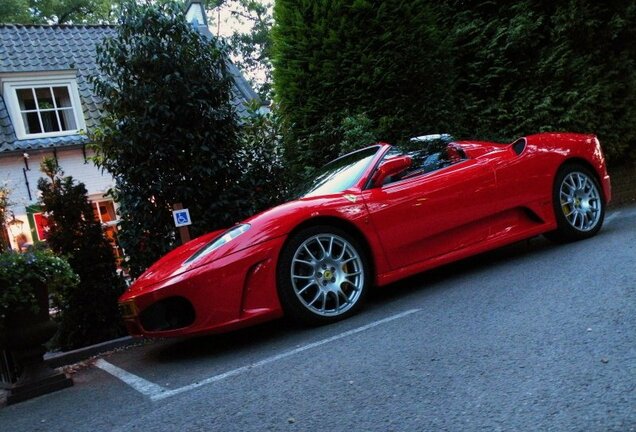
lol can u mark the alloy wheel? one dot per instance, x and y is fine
(327, 274)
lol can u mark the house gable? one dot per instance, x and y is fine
(28, 51)
(43, 50)
(61, 58)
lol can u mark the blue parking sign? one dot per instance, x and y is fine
(181, 217)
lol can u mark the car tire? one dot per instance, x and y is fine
(323, 275)
(579, 204)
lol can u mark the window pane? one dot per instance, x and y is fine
(49, 121)
(31, 123)
(107, 210)
(45, 100)
(47, 109)
(62, 98)
(25, 97)
(68, 119)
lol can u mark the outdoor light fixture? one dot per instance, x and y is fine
(15, 226)
(26, 179)
(25, 156)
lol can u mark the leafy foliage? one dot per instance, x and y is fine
(253, 48)
(58, 11)
(357, 131)
(169, 134)
(473, 68)
(88, 310)
(22, 274)
(15, 11)
(543, 66)
(263, 180)
(334, 59)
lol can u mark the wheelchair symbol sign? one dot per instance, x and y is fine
(181, 217)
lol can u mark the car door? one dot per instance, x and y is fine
(432, 214)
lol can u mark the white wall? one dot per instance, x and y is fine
(71, 162)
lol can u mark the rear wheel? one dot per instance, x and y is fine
(579, 205)
(323, 275)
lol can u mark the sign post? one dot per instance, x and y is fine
(182, 219)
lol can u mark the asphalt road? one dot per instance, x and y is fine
(530, 337)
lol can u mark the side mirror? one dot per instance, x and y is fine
(391, 167)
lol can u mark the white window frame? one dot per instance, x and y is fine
(12, 83)
(101, 199)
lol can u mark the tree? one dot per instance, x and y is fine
(334, 59)
(15, 11)
(263, 166)
(532, 66)
(169, 131)
(88, 311)
(252, 48)
(474, 68)
(59, 11)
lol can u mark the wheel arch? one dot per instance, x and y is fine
(585, 163)
(343, 224)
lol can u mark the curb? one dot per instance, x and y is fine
(59, 359)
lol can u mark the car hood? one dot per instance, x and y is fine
(171, 263)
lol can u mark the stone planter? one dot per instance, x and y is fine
(26, 334)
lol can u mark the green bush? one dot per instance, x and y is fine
(169, 133)
(88, 310)
(336, 59)
(21, 274)
(473, 68)
(263, 182)
(544, 66)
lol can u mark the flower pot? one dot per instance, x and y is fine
(26, 333)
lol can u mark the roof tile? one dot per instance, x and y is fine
(43, 48)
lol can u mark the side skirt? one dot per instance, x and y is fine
(474, 249)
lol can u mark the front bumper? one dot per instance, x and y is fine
(232, 292)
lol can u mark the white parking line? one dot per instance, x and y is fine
(156, 392)
(143, 386)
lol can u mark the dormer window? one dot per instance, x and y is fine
(43, 105)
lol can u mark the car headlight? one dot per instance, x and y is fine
(219, 241)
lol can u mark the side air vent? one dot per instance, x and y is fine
(519, 146)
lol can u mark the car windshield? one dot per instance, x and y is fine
(340, 174)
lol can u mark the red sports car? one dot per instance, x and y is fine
(372, 217)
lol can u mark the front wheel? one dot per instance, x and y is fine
(323, 275)
(579, 205)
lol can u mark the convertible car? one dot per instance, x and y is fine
(367, 219)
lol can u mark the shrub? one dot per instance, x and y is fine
(169, 133)
(335, 59)
(88, 311)
(263, 180)
(21, 274)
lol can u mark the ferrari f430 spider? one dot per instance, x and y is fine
(369, 218)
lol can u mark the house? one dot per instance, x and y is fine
(47, 101)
